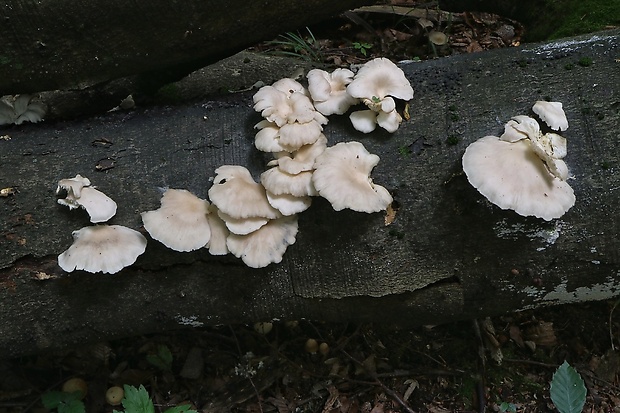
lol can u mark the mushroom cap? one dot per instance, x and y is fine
(438, 38)
(235, 193)
(302, 159)
(329, 90)
(289, 86)
(181, 222)
(525, 125)
(266, 245)
(73, 186)
(219, 233)
(279, 182)
(267, 139)
(102, 248)
(552, 114)
(242, 226)
(380, 78)
(99, 206)
(293, 136)
(272, 104)
(342, 176)
(364, 120)
(288, 204)
(390, 121)
(512, 176)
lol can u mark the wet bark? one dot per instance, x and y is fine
(67, 44)
(447, 255)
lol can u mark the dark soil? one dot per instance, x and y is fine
(500, 364)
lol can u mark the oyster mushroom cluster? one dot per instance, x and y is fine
(97, 248)
(523, 169)
(257, 221)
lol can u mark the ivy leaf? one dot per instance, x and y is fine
(568, 392)
(137, 400)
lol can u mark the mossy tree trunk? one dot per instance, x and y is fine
(447, 255)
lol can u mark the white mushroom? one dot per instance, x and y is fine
(279, 182)
(512, 176)
(329, 90)
(289, 204)
(235, 193)
(266, 245)
(380, 78)
(552, 114)
(181, 222)
(302, 159)
(376, 84)
(98, 205)
(102, 248)
(342, 176)
(242, 226)
(282, 107)
(219, 233)
(20, 109)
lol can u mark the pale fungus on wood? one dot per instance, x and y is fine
(98, 205)
(181, 222)
(523, 169)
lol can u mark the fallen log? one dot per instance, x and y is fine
(447, 255)
(75, 45)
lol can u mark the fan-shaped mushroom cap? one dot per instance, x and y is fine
(289, 204)
(235, 193)
(390, 121)
(293, 136)
(279, 182)
(73, 186)
(102, 248)
(302, 159)
(267, 139)
(380, 78)
(342, 176)
(552, 114)
(289, 86)
(98, 205)
(364, 120)
(266, 245)
(219, 233)
(181, 222)
(512, 176)
(20, 109)
(272, 104)
(242, 226)
(329, 90)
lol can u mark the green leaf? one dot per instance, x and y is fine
(162, 359)
(568, 392)
(63, 402)
(137, 400)
(180, 409)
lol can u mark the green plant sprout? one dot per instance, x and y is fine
(506, 407)
(137, 400)
(362, 47)
(162, 359)
(568, 392)
(63, 402)
(297, 46)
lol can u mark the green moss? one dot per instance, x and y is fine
(452, 140)
(170, 92)
(579, 17)
(605, 165)
(396, 233)
(404, 151)
(585, 61)
(569, 66)
(454, 117)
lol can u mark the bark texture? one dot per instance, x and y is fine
(68, 44)
(447, 255)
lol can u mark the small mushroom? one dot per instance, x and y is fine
(102, 248)
(98, 205)
(19, 109)
(235, 193)
(342, 176)
(181, 222)
(266, 245)
(329, 90)
(552, 114)
(512, 176)
(376, 84)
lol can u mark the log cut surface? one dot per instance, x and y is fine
(447, 255)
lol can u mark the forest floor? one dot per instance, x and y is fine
(498, 364)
